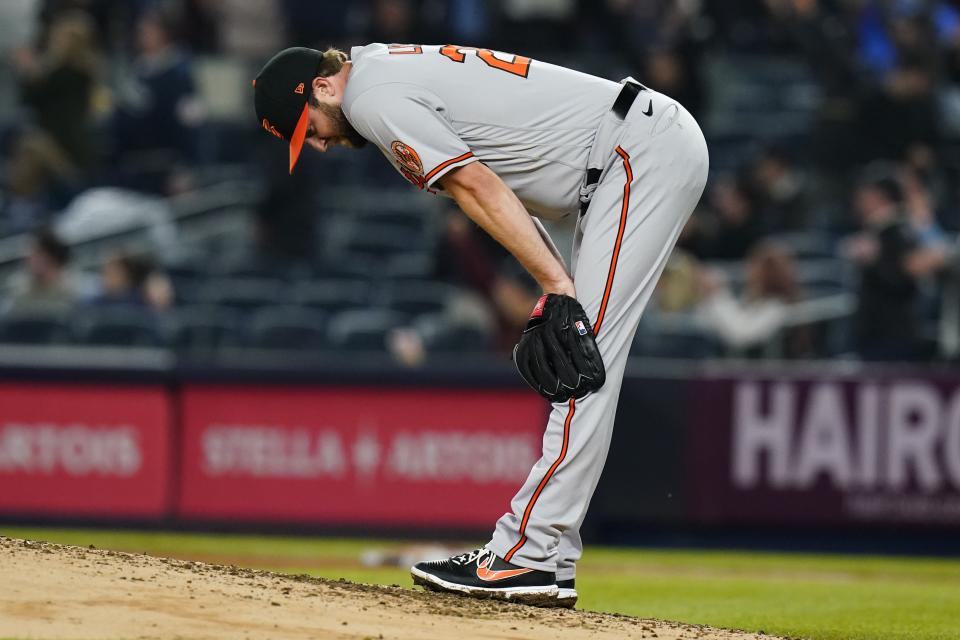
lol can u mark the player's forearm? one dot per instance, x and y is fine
(547, 240)
(486, 200)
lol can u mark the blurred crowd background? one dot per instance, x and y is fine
(141, 206)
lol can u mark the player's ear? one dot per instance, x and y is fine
(323, 86)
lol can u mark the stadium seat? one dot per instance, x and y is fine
(380, 243)
(289, 328)
(394, 220)
(686, 344)
(184, 272)
(203, 328)
(824, 277)
(363, 330)
(243, 266)
(418, 297)
(410, 266)
(33, 328)
(242, 294)
(349, 267)
(805, 245)
(442, 336)
(673, 335)
(248, 270)
(332, 295)
(116, 326)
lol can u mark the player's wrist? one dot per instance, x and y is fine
(560, 287)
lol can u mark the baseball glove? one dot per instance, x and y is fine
(557, 354)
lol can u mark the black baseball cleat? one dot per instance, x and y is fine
(482, 574)
(567, 593)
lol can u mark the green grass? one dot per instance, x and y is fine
(822, 597)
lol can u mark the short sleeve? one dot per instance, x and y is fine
(409, 125)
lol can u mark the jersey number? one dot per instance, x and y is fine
(518, 66)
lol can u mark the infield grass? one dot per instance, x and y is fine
(821, 597)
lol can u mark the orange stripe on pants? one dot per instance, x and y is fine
(596, 331)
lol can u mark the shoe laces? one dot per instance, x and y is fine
(477, 555)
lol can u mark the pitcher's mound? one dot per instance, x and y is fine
(59, 592)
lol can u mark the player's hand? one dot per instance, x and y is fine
(557, 354)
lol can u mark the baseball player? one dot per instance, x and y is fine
(511, 140)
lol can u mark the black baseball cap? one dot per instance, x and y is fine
(281, 92)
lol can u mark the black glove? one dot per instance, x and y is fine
(557, 354)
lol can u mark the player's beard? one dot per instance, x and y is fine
(345, 131)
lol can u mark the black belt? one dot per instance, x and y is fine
(624, 101)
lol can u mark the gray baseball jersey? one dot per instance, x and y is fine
(431, 109)
(539, 127)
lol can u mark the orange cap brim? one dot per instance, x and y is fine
(299, 134)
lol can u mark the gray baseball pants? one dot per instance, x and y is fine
(654, 172)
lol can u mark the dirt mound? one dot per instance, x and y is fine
(57, 592)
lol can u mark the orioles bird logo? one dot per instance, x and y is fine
(407, 157)
(299, 89)
(272, 129)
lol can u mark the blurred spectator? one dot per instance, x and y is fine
(921, 212)
(394, 21)
(200, 24)
(669, 72)
(887, 325)
(39, 180)
(251, 30)
(153, 129)
(110, 17)
(906, 111)
(129, 280)
(58, 84)
(466, 314)
(897, 43)
(45, 284)
(468, 20)
(680, 288)
(729, 229)
(780, 189)
(827, 39)
(660, 42)
(763, 310)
